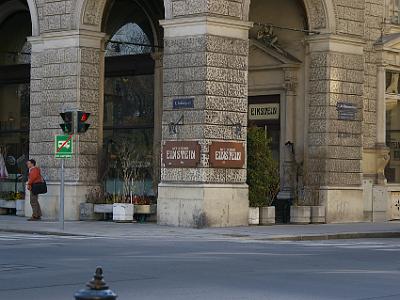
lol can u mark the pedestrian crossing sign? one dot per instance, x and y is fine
(64, 146)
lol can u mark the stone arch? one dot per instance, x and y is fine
(11, 7)
(89, 14)
(34, 17)
(320, 13)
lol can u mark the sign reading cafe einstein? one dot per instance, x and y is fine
(227, 155)
(181, 154)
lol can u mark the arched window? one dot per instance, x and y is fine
(14, 102)
(130, 39)
(128, 121)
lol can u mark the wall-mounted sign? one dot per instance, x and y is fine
(266, 111)
(183, 103)
(227, 155)
(181, 154)
(346, 111)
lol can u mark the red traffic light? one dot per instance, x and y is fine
(81, 125)
(84, 117)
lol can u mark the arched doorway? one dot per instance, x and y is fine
(15, 53)
(130, 101)
(277, 84)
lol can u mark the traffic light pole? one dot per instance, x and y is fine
(61, 208)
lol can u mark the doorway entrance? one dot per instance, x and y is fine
(264, 112)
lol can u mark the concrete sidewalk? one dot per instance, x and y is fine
(151, 231)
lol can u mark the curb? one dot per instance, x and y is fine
(339, 236)
(57, 233)
(316, 237)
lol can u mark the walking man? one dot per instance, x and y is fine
(34, 177)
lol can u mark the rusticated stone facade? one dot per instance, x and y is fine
(205, 57)
(213, 71)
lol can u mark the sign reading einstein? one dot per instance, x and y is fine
(181, 154)
(227, 155)
(266, 111)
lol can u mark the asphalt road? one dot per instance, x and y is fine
(51, 267)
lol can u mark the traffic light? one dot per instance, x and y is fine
(81, 125)
(67, 127)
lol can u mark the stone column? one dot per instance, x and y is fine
(382, 151)
(288, 178)
(333, 171)
(67, 73)
(381, 106)
(205, 61)
(158, 109)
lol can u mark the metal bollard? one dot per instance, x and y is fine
(97, 289)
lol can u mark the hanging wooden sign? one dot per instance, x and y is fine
(181, 154)
(227, 155)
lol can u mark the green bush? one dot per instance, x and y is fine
(262, 169)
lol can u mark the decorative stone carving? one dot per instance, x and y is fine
(383, 157)
(291, 81)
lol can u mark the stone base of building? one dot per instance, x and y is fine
(377, 202)
(49, 203)
(342, 204)
(203, 205)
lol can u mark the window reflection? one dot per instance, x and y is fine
(392, 171)
(130, 39)
(128, 117)
(14, 136)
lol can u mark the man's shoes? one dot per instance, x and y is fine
(34, 219)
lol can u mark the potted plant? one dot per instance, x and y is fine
(133, 166)
(20, 204)
(87, 210)
(144, 207)
(262, 177)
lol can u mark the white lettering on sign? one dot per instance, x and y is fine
(67, 145)
(178, 153)
(266, 111)
(228, 154)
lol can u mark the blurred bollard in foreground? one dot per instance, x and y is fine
(97, 289)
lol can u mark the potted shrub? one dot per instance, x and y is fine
(87, 209)
(262, 177)
(127, 155)
(20, 204)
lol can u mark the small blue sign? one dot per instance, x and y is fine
(183, 103)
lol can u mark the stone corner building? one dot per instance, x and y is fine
(184, 79)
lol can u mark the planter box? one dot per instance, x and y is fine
(318, 215)
(8, 204)
(267, 215)
(3, 211)
(123, 212)
(254, 215)
(103, 208)
(300, 214)
(146, 209)
(20, 206)
(86, 212)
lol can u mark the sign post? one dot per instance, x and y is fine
(63, 150)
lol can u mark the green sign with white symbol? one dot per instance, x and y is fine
(64, 146)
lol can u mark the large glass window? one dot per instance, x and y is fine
(392, 171)
(128, 124)
(129, 118)
(14, 104)
(14, 135)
